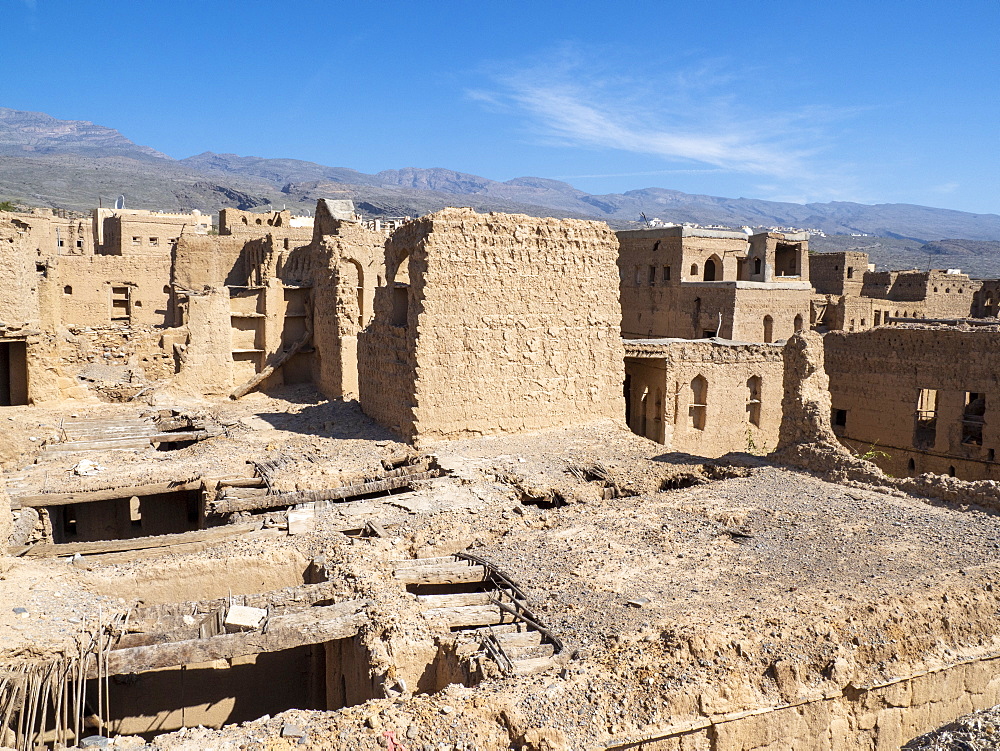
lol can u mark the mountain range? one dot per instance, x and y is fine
(74, 164)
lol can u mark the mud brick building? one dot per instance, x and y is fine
(692, 283)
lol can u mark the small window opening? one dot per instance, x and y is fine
(753, 399)
(154, 241)
(850, 272)
(79, 243)
(694, 270)
(699, 402)
(136, 240)
(121, 304)
(768, 329)
(166, 289)
(638, 276)
(991, 455)
(799, 323)
(911, 468)
(656, 246)
(951, 471)
(665, 277)
(400, 304)
(864, 323)
(68, 290)
(840, 418)
(244, 220)
(756, 266)
(652, 275)
(878, 317)
(925, 427)
(973, 418)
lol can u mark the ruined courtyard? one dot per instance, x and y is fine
(487, 481)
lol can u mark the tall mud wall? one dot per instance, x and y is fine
(509, 323)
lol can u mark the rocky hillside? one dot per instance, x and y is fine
(69, 163)
(35, 133)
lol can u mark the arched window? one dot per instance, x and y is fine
(353, 285)
(753, 399)
(756, 265)
(709, 275)
(694, 270)
(798, 322)
(768, 329)
(699, 402)
(951, 471)
(911, 468)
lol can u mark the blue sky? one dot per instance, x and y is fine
(858, 101)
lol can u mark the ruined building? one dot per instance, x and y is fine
(699, 283)
(325, 485)
(493, 324)
(852, 296)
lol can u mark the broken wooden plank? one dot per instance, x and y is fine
(280, 359)
(458, 599)
(470, 615)
(447, 574)
(232, 505)
(308, 626)
(42, 500)
(49, 550)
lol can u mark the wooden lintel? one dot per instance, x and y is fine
(215, 534)
(308, 626)
(90, 496)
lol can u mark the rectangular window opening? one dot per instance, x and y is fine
(666, 274)
(925, 427)
(973, 418)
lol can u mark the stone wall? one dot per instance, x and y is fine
(494, 323)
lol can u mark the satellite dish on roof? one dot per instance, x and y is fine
(120, 202)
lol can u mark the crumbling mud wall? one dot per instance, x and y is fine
(881, 715)
(504, 323)
(921, 397)
(807, 438)
(19, 296)
(349, 266)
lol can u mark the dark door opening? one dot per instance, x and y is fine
(13, 373)
(125, 518)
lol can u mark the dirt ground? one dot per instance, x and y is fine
(702, 588)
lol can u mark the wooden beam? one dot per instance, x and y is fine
(308, 626)
(229, 504)
(453, 573)
(42, 500)
(470, 615)
(215, 534)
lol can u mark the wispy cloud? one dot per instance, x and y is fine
(696, 114)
